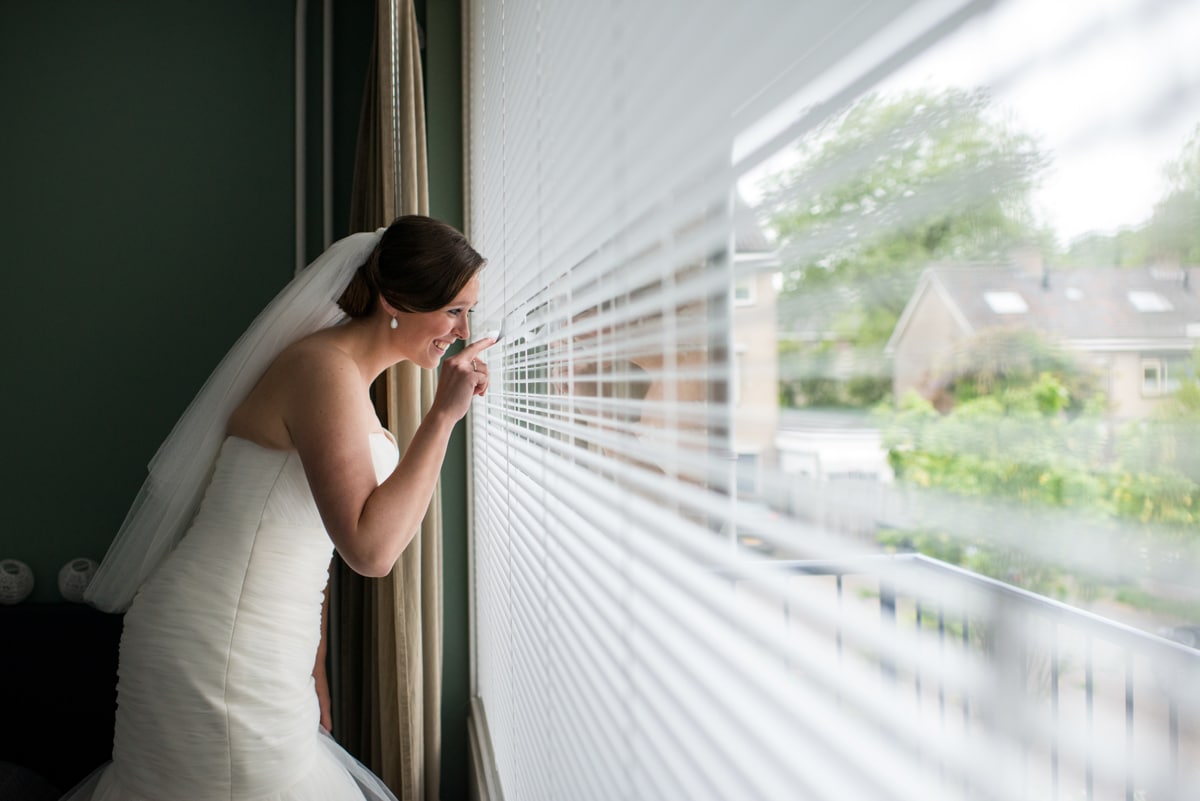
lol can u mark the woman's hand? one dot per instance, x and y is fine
(323, 702)
(320, 678)
(463, 376)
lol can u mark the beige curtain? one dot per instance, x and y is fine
(387, 634)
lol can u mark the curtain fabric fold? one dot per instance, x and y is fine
(386, 643)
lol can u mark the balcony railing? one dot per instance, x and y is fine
(1093, 708)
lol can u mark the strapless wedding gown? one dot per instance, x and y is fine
(215, 697)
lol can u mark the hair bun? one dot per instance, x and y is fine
(358, 299)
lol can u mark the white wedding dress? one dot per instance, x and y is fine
(215, 697)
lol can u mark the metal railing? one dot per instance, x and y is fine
(1103, 692)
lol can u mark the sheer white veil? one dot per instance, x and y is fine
(180, 470)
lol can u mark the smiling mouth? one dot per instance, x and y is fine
(441, 346)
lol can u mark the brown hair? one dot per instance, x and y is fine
(419, 265)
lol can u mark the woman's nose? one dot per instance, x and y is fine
(462, 329)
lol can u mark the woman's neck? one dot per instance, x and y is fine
(369, 342)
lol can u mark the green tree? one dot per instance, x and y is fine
(998, 360)
(887, 187)
(1026, 443)
(1126, 248)
(1174, 228)
(1171, 233)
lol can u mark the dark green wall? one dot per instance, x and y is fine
(148, 207)
(147, 210)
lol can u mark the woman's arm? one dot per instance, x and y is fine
(330, 424)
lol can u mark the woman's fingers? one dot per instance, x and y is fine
(464, 376)
(477, 347)
(472, 355)
(482, 375)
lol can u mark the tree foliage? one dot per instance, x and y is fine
(887, 187)
(995, 361)
(1022, 444)
(1171, 234)
(1174, 228)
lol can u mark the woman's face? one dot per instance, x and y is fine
(427, 335)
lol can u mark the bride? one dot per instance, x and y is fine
(223, 558)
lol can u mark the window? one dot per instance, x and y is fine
(1152, 377)
(744, 293)
(837, 543)
(1145, 301)
(1164, 375)
(1006, 302)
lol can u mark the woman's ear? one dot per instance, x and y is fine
(388, 308)
(389, 313)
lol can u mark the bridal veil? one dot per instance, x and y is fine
(180, 470)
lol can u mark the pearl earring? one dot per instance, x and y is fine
(393, 324)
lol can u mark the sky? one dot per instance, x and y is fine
(1111, 88)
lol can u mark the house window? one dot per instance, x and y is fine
(1164, 375)
(1006, 302)
(744, 292)
(1153, 374)
(1147, 301)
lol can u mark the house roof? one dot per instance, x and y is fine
(749, 236)
(1097, 304)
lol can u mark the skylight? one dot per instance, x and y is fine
(1006, 302)
(1146, 301)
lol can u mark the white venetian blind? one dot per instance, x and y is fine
(647, 623)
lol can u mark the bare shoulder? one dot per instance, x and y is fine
(326, 394)
(314, 360)
(310, 379)
(318, 379)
